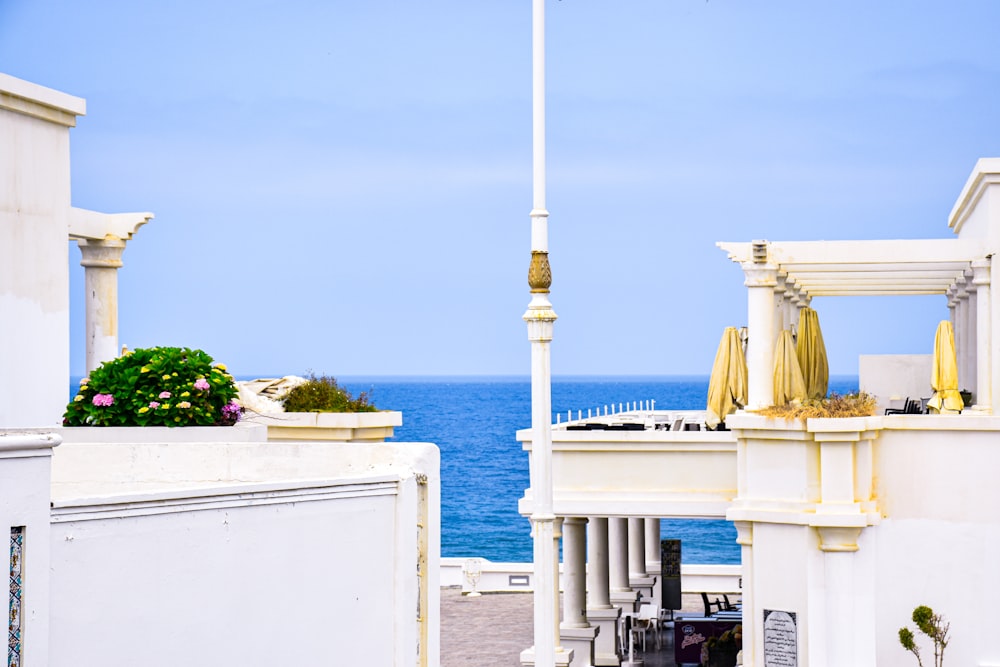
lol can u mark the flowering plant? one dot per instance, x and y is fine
(158, 386)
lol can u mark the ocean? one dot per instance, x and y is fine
(483, 469)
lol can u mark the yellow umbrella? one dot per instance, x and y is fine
(789, 387)
(727, 387)
(944, 373)
(811, 353)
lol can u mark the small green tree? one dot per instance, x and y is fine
(931, 624)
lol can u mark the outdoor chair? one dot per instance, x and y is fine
(913, 406)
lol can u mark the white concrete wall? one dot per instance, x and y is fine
(256, 576)
(919, 524)
(24, 501)
(239, 551)
(34, 251)
(938, 542)
(888, 376)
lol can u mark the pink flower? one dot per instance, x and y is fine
(103, 400)
(164, 394)
(184, 404)
(201, 384)
(154, 404)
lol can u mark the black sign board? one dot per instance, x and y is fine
(670, 574)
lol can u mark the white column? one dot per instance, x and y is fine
(971, 376)
(600, 612)
(760, 282)
(961, 328)
(575, 572)
(101, 261)
(751, 629)
(576, 632)
(636, 547)
(984, 342)
(618, 554)
(653, 545)
(598, 582)
(780, 304)
(653, 557)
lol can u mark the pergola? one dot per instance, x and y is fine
(783, 277)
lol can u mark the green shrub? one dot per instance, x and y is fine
(158, 386)
(931, 624)
(323, 394)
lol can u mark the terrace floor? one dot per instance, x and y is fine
(493, 629)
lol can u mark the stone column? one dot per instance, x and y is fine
(984, 343)
(781, 304)
(600, 612)
(576, 632)
(961, 327)
(744, 537)
(101, 261)
(971, 374)
(622, 595)
(637, 577)
(653, 557)
(760, 282)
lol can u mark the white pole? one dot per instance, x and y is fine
(540, 319)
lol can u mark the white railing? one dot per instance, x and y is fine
(610, 410)
(493, 577)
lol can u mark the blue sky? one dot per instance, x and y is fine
(345, 186)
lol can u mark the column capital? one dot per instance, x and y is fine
(103, 253)
(760, 275)
(838, 538)
(981, 272)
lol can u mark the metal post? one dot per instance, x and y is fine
(540, 319)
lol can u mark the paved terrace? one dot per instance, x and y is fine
(493, 629)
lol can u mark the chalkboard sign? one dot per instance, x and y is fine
(670, 574)
(780, 639)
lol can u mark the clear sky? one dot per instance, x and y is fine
(345, 186)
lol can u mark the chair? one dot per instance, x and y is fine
(722, 604)
(646, 621)
(913, 406)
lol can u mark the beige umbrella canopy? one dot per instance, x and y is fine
(727, 387)
(811, 353)
(789, 387)
(944, 373)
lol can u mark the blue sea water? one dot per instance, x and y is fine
(484, 472)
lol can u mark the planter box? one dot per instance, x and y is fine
(334, 426)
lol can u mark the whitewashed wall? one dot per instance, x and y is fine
(888, 376)
(938, 541)
(24, 503)
(297, 553)
(34, 251)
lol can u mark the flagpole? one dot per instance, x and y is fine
(540, 319)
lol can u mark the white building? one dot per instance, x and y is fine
(845, 524)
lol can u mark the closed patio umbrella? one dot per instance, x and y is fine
(811, 353)
(727, 387)
(789, 387)
(944, 372)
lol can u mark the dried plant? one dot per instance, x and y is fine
(860, 404)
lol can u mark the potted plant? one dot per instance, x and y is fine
(318, 408)
(158, 386)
